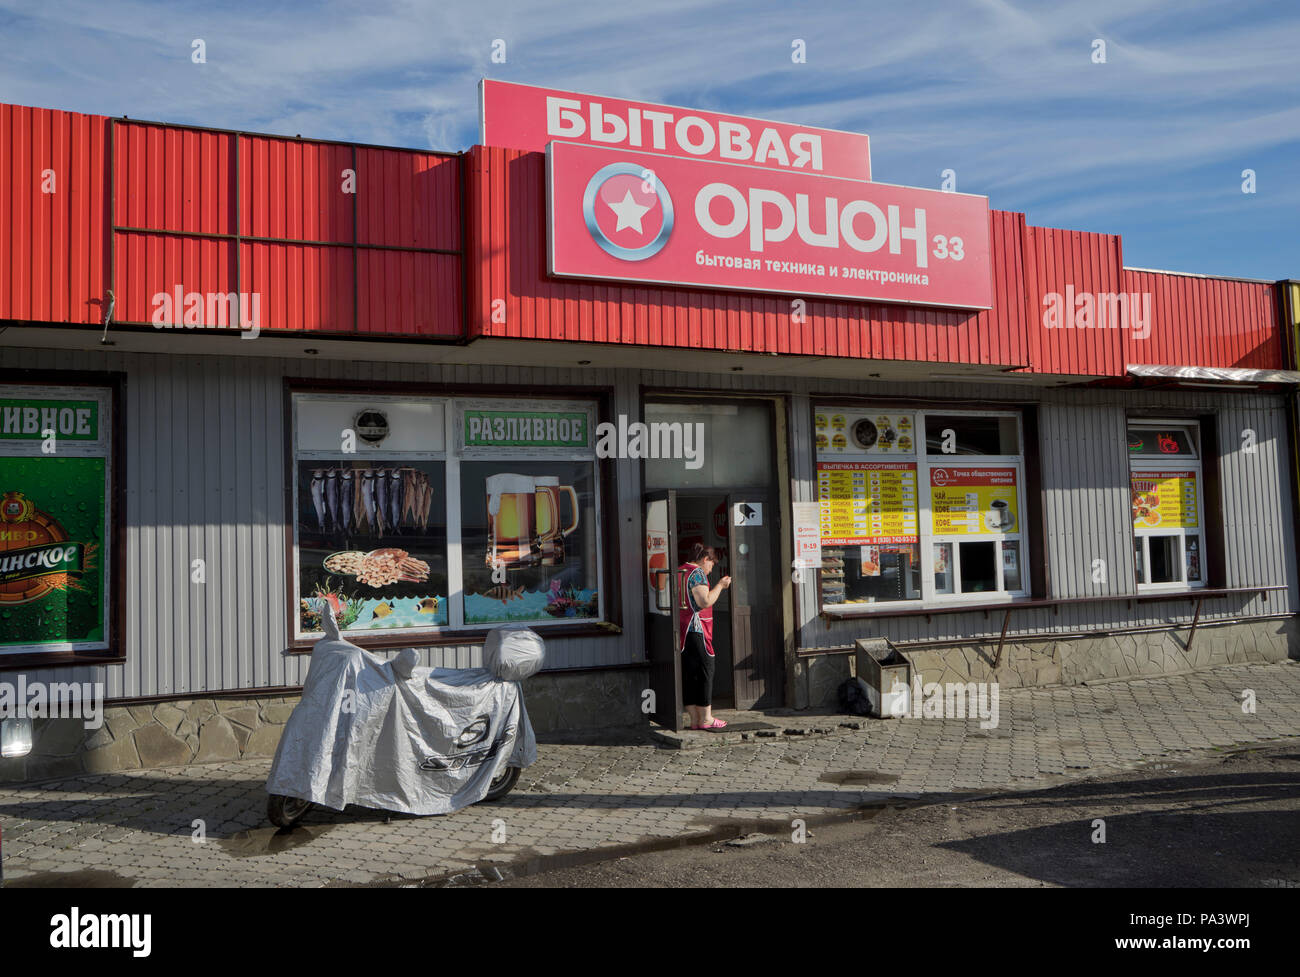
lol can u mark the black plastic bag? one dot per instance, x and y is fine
(854, 699)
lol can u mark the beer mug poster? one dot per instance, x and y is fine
(528, 537)
(54, 519)
(533, 557)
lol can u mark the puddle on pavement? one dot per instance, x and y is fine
(89, 878)
(857, 778)
(268, 841)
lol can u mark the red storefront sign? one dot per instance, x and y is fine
(662, 219)
(942, 477)
(524, 117)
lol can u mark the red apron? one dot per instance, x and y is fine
(688, 609)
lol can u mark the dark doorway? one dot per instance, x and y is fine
(703, 519)
(726, 498)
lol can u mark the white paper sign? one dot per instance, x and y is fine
(807, 535)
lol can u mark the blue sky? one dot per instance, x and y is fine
(1150, 144)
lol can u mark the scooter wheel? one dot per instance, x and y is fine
(503, 784)
(285, 812)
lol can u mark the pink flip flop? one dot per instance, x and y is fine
(715, 725)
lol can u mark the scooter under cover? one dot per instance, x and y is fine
(365, 734)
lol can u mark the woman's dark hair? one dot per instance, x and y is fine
(701, 552)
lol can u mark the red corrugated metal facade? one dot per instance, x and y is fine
(1055, 260)
(53, 215)
(1193, 321)
(1208, 321)
(508, 262)
(219, 212)
(378, 253)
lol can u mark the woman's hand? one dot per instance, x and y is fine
(725, 581)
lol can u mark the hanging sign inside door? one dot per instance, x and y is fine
(807, 535)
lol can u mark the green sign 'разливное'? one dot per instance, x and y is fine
(22, 419)
(526, 429)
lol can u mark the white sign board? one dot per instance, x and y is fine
(807, 535)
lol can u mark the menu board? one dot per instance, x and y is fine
(973, 501)
(862, 432)
(1164, 500)
(864, 502)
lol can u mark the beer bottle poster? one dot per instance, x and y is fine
(53, 521)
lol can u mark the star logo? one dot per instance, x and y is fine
(628, 211)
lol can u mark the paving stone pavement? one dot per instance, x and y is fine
(140, 827)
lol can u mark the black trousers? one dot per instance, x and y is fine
(697, 672)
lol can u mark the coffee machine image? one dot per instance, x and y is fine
(525, 528)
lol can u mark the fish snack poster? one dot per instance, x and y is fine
(372, 544)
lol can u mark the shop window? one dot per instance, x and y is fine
(883, 502)
(370, 514)
(372, 540)
(423, 514)
(528, 541)
(1166, 482)
(707, 445)
(56, 519)
(1162, 442)
(979, 572)
(1010, 551)
(971, 434)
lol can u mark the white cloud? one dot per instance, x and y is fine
(1003, 92)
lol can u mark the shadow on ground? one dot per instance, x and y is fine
(1189, 831)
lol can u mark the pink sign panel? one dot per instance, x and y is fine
(641, 217)
(524, 117)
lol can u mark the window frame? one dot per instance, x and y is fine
(1141, 537)
(930, 599)
(595, 400)
(114, 562)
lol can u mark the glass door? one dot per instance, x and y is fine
(663, 642)
(755, 594)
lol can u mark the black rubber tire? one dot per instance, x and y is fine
(285, 812)
(503, 785)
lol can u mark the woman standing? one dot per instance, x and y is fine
(695, 618)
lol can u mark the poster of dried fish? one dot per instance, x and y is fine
(378, 568)
(375, 501)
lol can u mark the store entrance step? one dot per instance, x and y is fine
(756, 727)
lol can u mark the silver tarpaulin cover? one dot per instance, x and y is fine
(396, 747)
(513, 652)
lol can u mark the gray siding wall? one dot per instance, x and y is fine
(1085, 474)
(205, 473)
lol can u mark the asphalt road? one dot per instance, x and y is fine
(1224, 819)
